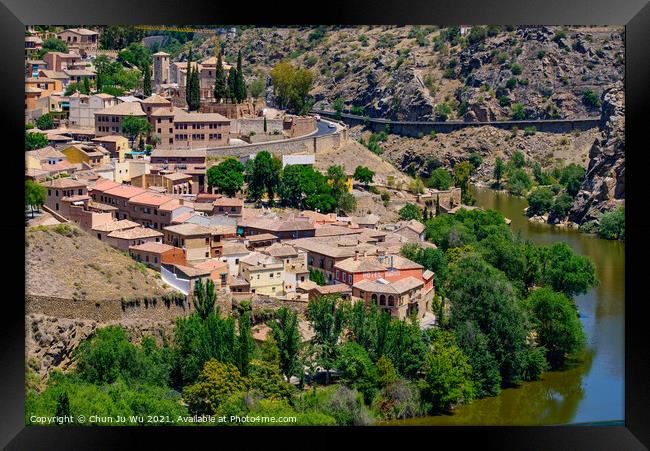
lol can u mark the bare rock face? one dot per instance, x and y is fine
(50, 341)
(604, 186)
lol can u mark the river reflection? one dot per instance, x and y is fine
(590, 390)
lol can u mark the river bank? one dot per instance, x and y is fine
(588, 390)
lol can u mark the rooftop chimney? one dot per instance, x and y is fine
(356, 255)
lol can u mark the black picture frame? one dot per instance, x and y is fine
(634, 14)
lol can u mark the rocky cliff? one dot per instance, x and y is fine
(403, 73)
(604, 186)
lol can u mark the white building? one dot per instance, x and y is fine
(83, 108)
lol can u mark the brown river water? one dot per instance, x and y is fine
(590, 390)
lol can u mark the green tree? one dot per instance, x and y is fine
(286, 335)
(347, 203)
(299, 184)
(517, 112)
(485, 370)
(327, 321)
(481, 294)
(62, 408)
(219, 79)
(204, 298)
(442, 111)
(45, 122)
(357, 369)
(54, 45)
(561, 206)
(410, 211)
(499, 169)
(462, 173)
(475, 159)
(188, 77)
(448, 374)
(590, 98)
(571, 178)
(517, 160)
(519, 182)
(240, 83)
(245, 343)
(262, 174)
(232, 84)
(386, 373)
(363, 175)
(556, 321)
(291, 86)
(612, 224)
(35, 140)
(133, 127)
(146, 82)
(34, 195)
(227, 176)
(540, 201)
(440, 179)
(338, 181)
(565, 271)
(317, 276)
(338, 105)
(257, 87)
(216, 383)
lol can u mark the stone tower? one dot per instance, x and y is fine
(160, 68)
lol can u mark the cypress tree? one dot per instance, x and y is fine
(245, 345)
(264, 124)
(240, 83)
(196, 89)
(188, 77)
(146, 83)
(86, 85)
(220, 91)
(232, 84)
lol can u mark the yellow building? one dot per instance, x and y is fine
(117, 145)
(91, 155)
(263, 274)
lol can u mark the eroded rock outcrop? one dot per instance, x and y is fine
(604, 186)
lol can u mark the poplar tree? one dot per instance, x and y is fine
(240, 84)
(188, 77)
(220, 91)
(245, 345)
(232, 84)
(146, 82)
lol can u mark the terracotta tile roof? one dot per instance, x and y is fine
(193, 272)
(161, 53)
(135, 233)
(329, 289)
(233, 248)
(332, 230)
(116, 225)
(45, 153)
(187, 229)
(171, 205)
(153, 247)
(155, 98)
(212, 265)
(124, 191)
(103, 185)
(184, 116)
(174, 176)
(79, 72)
(261, 237)
(414, 225)
(177, 153)
(184, 217)
(64, 183)
(80, 31)
(280, 250)
(109, 138)
(123, 109)
(275, 225)
(228, 202)
(361, 264)
(149, 198)
(162, 111)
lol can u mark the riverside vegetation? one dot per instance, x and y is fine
(361, 366)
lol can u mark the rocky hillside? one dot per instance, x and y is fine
(50, 341)
(604, 185)
(403, 73)
(419, 156)
(66, 262)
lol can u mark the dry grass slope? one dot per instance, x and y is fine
(64, 261)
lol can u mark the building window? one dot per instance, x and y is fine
(349, 278)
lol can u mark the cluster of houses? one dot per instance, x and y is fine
(248, 252)
(156, 205)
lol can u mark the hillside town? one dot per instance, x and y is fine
(155, 201)
(254, 222)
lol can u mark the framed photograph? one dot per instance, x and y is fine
(377, 217)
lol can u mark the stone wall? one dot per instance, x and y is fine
(245, 126)
(307, 144)
(413, 129)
